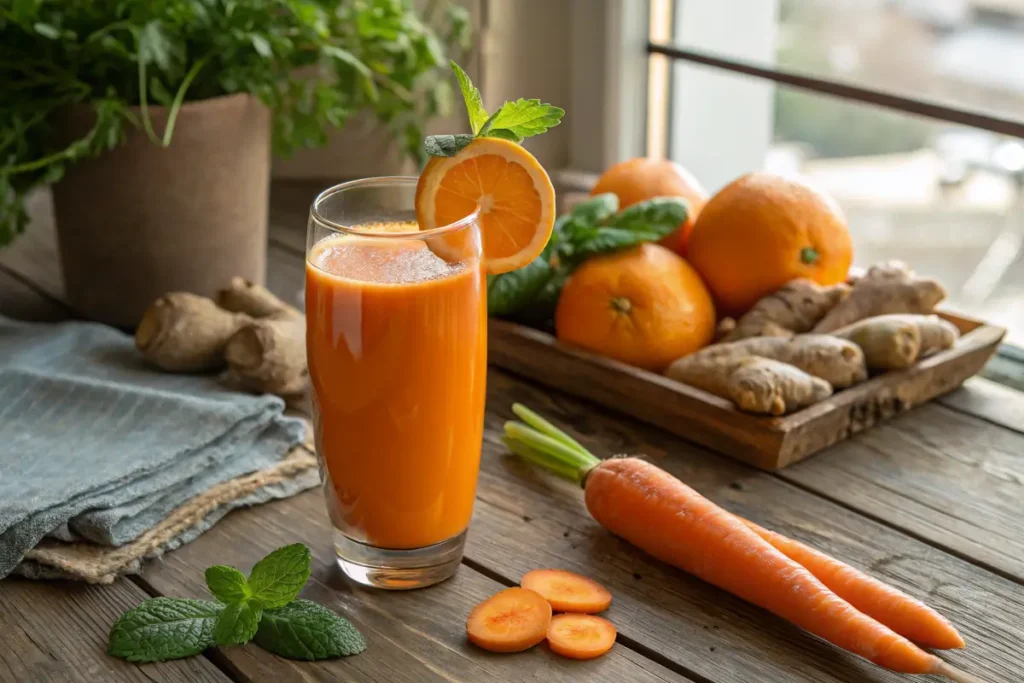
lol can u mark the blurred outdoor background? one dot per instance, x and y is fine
(945, 198)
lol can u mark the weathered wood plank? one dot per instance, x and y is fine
(947, 477)
(527, 520)
(990, 401)
(19, 301)
(413, 637)
(57, 631)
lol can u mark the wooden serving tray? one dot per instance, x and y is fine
(767, 442)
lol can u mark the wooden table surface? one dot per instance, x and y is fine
(931, 502)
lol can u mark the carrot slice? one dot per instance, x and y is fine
(513, 620)
(580, 636)
(568, 592)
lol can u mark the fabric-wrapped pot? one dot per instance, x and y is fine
(143, 220)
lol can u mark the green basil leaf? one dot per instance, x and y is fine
(597, 209)
(504, 134)
(164, 628)
(509, 292)
(661, 216)
(306, 630)
(612, 239)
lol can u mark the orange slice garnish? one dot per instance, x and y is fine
(512, 190)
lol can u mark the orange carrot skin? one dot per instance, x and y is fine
(667, 519)
(905, 615)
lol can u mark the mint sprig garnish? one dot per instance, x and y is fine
(263, 607)
(277, 579)
(164, 628)
(306, 630)
(513, 121)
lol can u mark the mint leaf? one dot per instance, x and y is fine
(227, 584)
(526, 118)
(237, 623)
(474, 102)
(278, 577)
(446, 145)
(164, 628)
(597, 209)
(661, 215)
(306, 630)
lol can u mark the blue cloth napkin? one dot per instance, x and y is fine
(95, 445)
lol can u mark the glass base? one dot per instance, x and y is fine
(398, 569)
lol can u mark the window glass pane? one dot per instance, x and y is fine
(958, 52)
(945, 199)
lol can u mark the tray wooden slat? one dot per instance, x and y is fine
(767, 442)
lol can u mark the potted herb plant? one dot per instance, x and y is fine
(155, 122)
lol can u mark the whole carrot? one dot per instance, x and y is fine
(661, 515)
(905, 615)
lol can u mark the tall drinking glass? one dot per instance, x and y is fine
(397, 348)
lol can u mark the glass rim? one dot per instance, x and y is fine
(381, 181)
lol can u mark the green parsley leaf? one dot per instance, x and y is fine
(474, 102)
(527, 118)
(277, 579)
(446, 145)
(164, 628)
(227, 584)
(504, 134)
(306, 630)
(238, 622)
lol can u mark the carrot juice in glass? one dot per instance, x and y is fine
(397, 353)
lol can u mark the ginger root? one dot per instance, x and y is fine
(895, 342)
(793, 309)
(837, 361)
(182, 332)
(884, 289)
(762, 385)
(259, 339)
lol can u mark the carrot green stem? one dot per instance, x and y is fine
(543, 444)
(536, 457)
(543, 426)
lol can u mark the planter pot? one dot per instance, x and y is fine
(143, 220)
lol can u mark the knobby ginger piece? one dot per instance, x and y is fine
(793, 309)
(897, 341)
(269, 354)
(182, 332)
(762, 385)
(837, 361)
(884, 289)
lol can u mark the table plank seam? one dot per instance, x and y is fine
(1009, 576)
(212, 655)
(621, 639)
(962, 411)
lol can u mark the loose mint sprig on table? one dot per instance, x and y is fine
(513, 121)
(263, 608)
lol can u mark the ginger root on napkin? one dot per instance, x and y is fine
(258, 340)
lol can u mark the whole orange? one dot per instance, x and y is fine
(761, 231)
(640, 179)
(644, 306)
